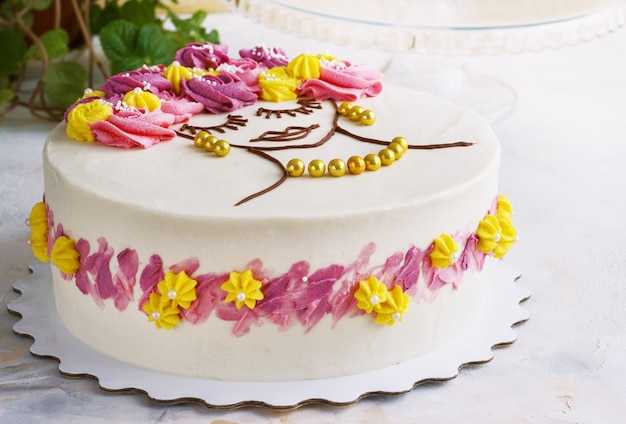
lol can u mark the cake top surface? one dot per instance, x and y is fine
(177, 177)
(174, 176)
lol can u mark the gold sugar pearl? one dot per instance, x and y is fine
(337, 168)
(397, 149)
(372, 162)
(221, 148)
(295, 167)
(344, 108)
(200, 138)
(367, 117)
(355, 113)
(316, 168)
(402, 141)
(387, 157)
(356, 165)
(209, 143)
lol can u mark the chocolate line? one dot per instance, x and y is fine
(411, 146)
(288, 134)
(282, 179)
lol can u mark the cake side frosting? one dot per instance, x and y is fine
(154, 247)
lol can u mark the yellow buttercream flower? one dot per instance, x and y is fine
(179, 289)
(496, 233)
(370, 294)
(278, 85)
(64, 255)
(327, 58)
(305, 66)
(394, 307)
(503, 207)
(93, 93)
(142, 99)
(488, 233)
(161, 311)
(507, 237)
(175, 73)
(445, 251)
(38, 223)
(81, 115)
(243, 289)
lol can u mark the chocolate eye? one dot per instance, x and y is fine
(306, 107)
(233, 122)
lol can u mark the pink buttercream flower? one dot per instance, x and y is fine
(134, 127)
(203, 56)
(218, 93)
(247, 70)
(269, 57)
(342, 81)
(182, 109)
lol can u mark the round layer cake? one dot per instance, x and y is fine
(296, 247)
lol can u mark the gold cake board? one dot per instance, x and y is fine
(40, 321)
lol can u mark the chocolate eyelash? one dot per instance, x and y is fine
(306, 107)
(233, 122)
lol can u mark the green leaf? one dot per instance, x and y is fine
(99, 17)
(55, 42)
(119, 40)
(213, 37)
(128, 46)
(64, 83)
(190, 30)
(153, 46)
(140, 12)
(12, 51)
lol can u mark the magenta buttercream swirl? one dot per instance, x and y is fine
(218, 93)
(203, 56)
(268, 56)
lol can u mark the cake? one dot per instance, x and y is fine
(261, 218)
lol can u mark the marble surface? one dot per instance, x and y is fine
(563, 166)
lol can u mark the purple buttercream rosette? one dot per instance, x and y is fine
(218, 93)
(267, 56)
(203, 56)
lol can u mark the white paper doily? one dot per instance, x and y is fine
(41, 322)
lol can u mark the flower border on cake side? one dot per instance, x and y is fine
(171, 294)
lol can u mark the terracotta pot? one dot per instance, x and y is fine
(43, 20)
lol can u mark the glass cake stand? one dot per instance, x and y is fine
(424, 36)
